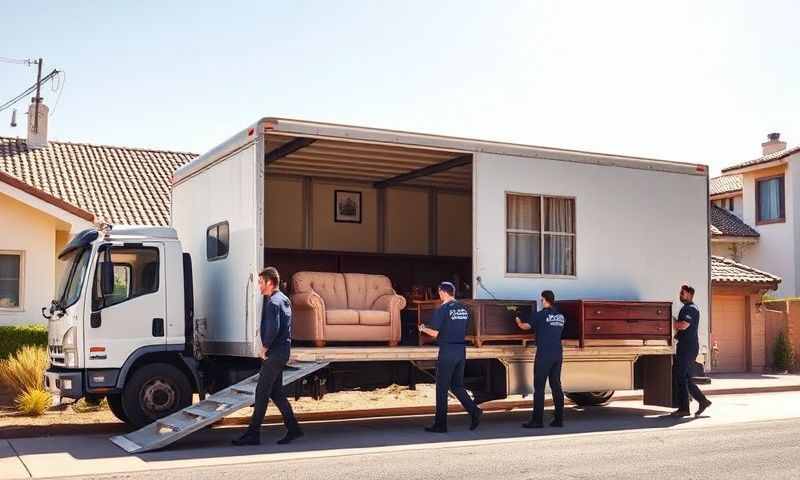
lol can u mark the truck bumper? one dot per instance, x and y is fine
(64, 383)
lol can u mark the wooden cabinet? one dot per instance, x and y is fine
(493, 320)
(615, 320)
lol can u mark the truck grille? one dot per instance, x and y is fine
(56, 355)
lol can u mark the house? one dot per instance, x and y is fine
(51, 190)
(762, 194)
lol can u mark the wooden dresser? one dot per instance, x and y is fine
(616, 320)
(493, 320)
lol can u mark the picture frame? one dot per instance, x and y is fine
(346, 206)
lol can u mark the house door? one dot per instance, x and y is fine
(730, 332)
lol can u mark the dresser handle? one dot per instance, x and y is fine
(658, 312)
(597, 328)
(597, 312)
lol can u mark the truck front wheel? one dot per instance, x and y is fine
(115, 404)
(155, 391)
(589, 399)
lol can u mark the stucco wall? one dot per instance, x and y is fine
(758, 351)
(32, 232)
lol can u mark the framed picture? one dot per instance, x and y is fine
(346, 206)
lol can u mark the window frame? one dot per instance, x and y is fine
(542, 233)
(227, 243)
(20, 280)
(782, 218)
(96, 273)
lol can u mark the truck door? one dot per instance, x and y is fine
(134, 315)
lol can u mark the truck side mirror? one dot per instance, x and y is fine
(107, 278)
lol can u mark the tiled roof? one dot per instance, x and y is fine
(765, 159)
(116, 184)
(725, 184)
(724, 223)
(725, 270)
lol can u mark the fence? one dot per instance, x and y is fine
(782, 315)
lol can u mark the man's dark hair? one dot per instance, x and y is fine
(687, 288)
(270, 274)
(448, 288)
(549, 296)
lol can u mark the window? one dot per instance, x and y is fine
(540, 235)
(770, 207)
(730, 204)
(135, 274)
(11, 280)
(217, 241)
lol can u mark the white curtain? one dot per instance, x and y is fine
(769, 201)
(524, 247)
(559, 250)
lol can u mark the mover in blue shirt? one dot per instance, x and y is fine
(276, 341)
(547, 325)
(449, 327)
(687, 326)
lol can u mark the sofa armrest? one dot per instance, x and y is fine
(308, 301)
(389, 303)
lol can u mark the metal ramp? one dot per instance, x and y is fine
(171, 428)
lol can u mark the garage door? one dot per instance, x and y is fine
(730, 332)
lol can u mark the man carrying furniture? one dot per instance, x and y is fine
(276, 341)
(688, 347)
(548, 325)
(449, 328)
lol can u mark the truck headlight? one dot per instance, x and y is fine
(70, 346)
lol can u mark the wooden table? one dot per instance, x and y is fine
(424, 311)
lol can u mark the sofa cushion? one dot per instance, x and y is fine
(341, 317)
(329, 286)
(363, 290)
(373, 317)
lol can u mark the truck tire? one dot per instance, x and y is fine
(589, 399)
(155, 391)
(115, 404)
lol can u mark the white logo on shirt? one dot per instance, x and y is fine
(460, 314)
(556, 320)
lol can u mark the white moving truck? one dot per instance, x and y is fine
(147, 316)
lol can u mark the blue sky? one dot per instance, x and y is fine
(688, 81)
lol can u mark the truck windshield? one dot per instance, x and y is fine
(74, 270)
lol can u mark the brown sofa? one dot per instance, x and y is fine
(345, 307)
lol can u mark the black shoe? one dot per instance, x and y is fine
(680, 413)
(703, 406)
(532, 424)
(476, 419)
(290, 436)
(557, 423)
(436, 429)
(247, 439)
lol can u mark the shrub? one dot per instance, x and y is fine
(12, 338)
(782, 354)
(33, 402)
(24, 371)
(84, 406)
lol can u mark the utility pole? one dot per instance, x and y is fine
(38, 88)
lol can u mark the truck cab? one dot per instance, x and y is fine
(118, 325)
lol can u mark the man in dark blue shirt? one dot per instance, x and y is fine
(687, 325)
(449, 327)
(276, 341)
(547, 325)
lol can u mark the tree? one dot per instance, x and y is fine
(782, 354)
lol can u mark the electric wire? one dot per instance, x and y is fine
(27, 92)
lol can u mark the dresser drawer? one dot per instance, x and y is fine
(627, 328)
(626, 312)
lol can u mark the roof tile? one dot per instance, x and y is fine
(725, 270)
(724, 223)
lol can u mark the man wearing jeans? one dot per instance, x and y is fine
(276, 341)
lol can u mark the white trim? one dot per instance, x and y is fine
(20, 280)
(76, 223)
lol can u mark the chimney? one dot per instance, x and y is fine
(773, 144)
(37, 134)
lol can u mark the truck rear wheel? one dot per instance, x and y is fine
(589, 399)
(115, 404)
(155, 391)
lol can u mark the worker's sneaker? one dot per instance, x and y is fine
(436, 429)
(532, 424)
(290, 436)
(476, 419)
(557, 423)
(247, 439)
(703, 405)
(680, 413)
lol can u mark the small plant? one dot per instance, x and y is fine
(33, 402)
(24, 371)
(84, 406)
(782, 354)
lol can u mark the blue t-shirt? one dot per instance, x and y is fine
(451, 321)
(548, 325)
(688, 339)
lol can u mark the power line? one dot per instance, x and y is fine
(17, 61)
(28, 91)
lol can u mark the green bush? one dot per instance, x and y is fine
(12, 338)
(782, 354)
